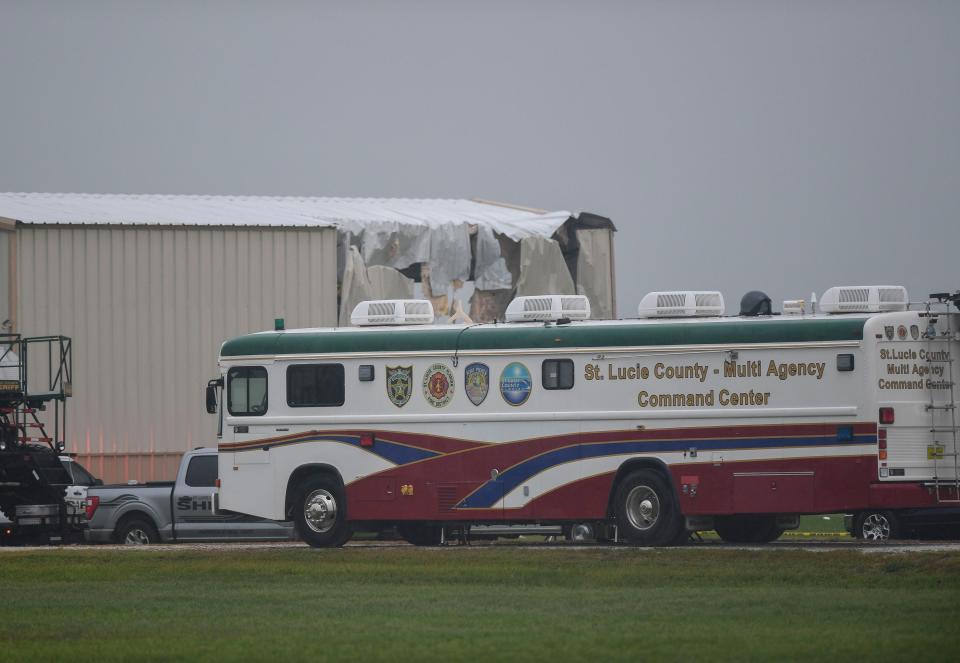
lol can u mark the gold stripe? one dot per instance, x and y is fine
(292, 439)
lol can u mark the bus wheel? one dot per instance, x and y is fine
(647, 513)
(420, 534)
(876, 526)
(748, 529)
(320, 513)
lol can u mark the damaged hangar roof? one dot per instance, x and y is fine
(351, 214)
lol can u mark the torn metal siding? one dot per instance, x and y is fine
(543, 269)
(595, 270)
(474, 265)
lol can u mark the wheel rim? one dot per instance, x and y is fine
(643, 507)
(876, 527)
(320, 511)
(136, 537)
(581, 532)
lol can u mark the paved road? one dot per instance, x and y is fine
(899, 547)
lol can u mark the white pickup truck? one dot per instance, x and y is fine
(173, 511)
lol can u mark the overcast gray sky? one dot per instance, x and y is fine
(785, 146)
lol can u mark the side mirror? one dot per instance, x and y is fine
(98, 482)
(212, 395)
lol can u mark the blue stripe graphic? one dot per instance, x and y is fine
(396, 453)
(491, 491)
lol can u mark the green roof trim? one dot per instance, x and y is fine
(537, 336)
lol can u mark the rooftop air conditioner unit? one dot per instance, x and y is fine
(864, 299)
(392, 312)
(681, 304)
(546, 308)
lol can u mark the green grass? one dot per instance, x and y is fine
(827, 524)
(403, 604)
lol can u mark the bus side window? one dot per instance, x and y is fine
(315, 385)
(557, 374)
(247, 391)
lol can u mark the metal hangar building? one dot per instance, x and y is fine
(149, 286)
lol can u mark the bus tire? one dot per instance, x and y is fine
(420, 534)
(136, 531)
(876, 525)
(748, 529)
(320, 513)
(646, 510)
(683, 537)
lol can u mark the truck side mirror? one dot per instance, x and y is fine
(212, 395)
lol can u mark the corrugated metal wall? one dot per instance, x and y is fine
(147, 308)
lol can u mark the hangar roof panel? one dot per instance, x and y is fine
(280, 211)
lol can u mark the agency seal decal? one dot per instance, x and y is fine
(399, 384)
(476, 382)
(914, 332)
(888, 330)
(438, 385)
(515, 383)
(901, 332)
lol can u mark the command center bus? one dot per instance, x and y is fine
(649, 428)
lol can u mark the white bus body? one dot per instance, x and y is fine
(655, 425)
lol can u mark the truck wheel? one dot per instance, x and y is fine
(747, 529)
(136, 532)
(579, 533)
(420, 534)
(876, 526)
(647, 512)
(320, 513)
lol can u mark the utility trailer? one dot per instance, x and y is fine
(35, 382)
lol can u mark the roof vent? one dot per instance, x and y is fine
(544, 308)
(681, 304)
(864, 299)
(392, 312)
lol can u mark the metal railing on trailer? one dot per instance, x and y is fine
(35, 371)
